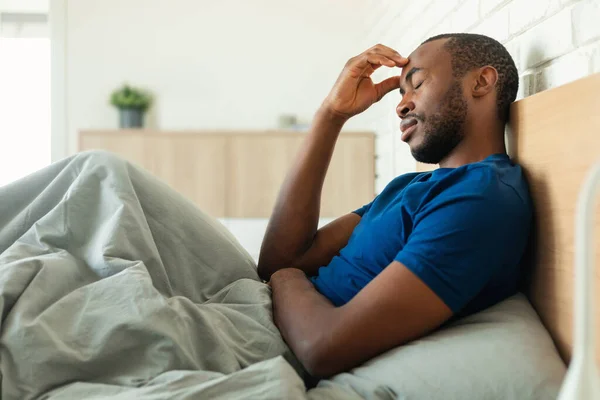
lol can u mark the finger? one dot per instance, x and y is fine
(366, 64)
(377, 60)
(386, 86)
(399, 61)
(391, 54)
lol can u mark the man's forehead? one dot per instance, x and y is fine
(427, 56)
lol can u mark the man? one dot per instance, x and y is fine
(431, 246)
(111, 280)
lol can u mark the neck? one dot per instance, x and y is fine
(478, 144)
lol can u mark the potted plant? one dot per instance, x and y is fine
(132, 103)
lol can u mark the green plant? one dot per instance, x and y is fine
(130, 97)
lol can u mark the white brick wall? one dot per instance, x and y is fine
(525, 13)
(465, 16)
(586, 20)
(546, 41)
(488, 6)
(596, 58)
(553, 42)
(495, 25)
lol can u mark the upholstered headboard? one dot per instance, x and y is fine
(555, 136)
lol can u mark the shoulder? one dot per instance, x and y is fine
(396, 186)
(498, 180)
(400, 182)
(497, 188)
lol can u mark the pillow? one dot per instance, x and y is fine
(503, 352)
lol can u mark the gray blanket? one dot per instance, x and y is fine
(114, 286)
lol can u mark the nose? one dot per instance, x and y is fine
(405, 106)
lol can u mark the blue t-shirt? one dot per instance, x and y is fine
(462, 231)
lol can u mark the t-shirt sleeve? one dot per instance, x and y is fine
(456, 245)
(361, 211)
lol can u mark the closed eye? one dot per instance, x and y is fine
(419, 85)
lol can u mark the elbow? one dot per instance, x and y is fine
(318, 361)
(265, 269)
(267, 266)
(268, 260)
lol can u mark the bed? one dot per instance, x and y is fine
(113, 286)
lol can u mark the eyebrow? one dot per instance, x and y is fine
(409, 76)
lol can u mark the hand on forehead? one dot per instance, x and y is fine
(426, 57)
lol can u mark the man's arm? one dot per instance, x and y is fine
(291, 239)
(292, 229)
(394, 308)
(327, 243)
(459, 242)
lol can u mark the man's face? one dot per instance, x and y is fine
(433, 108)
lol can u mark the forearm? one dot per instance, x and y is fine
(303, 317)
(294, 221)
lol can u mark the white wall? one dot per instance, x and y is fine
(552, 41)
(211, 64)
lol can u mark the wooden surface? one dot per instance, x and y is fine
(130, 145)
(194, 166)
(258, 168)
(354, 159)
(238, 175)
(556, 139)
(421, 167)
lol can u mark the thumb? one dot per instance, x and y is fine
(386, 86)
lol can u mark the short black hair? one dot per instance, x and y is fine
(469, 51)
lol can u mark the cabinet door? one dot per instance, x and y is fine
(240, 175)
(259, 164)
(350, 181)
(194, 165)
(129, 145)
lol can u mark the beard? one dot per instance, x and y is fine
(444, 130)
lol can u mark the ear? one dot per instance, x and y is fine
(485, 81)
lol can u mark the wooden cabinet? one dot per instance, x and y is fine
(239, 174)
(259, 164)
(194, 166)
(350, 181)
(130, 145)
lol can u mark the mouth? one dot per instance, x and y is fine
(407, 126)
